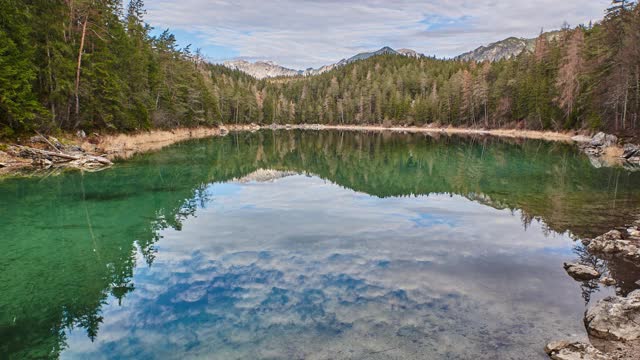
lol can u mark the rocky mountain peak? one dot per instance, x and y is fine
(266, 69)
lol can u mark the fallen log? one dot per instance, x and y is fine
(81, 160)
(29, 152)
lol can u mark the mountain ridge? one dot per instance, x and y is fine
(267, 69)
(503, 49)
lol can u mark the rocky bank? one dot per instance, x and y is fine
(613, 323)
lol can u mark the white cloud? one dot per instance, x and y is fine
(307, 33)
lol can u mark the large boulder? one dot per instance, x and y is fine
(603, 140)
(632, 155)
(613, 243)
(615, 318)
(630, 150)
(564, 350)
(581, 272)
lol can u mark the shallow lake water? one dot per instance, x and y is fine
(309, 245)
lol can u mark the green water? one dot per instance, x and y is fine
(372, 246)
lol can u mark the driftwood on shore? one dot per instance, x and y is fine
(45, 158)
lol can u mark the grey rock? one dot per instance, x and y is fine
(74, 149)
(630, 150)
(41, 162)
(615, 318)
(564, 350)
(55, 142)
(603, 140)
(612, 243)
(37, 139)
(581, 272)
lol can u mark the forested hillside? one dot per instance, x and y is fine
(92, 64)
(89, 64)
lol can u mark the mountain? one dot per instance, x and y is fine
(265, 69)
(261, 69)
(362, 56)
(410, 53)
(505, 49)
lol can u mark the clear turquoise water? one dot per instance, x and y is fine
(374, 246)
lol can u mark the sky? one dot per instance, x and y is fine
(308, 33)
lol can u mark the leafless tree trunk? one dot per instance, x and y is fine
(624, 111)
(84, 33)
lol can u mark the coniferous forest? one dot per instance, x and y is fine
(95, 65)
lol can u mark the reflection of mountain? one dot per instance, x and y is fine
(265, 175)
(69, 242)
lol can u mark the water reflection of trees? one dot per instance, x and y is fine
(130, 206)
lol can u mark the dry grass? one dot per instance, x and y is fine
(528, 134)
(126, 145)
(123, 146)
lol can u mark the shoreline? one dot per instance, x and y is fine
(124, 145)
(508, 133)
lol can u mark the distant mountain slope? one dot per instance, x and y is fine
(504, 49)
(261, 69)
(265, 69)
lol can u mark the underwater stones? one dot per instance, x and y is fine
(565, 350)
(607, 281)
(581, 272)
(615, 318)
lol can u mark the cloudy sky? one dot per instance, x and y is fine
(311, 33)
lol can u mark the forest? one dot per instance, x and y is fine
(94, 65)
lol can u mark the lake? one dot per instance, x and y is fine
(310, 245)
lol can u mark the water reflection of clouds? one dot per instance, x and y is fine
(300, 268)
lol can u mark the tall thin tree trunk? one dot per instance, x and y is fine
(237, 109)
(624, 111)
(52, 103)
(84, 33)
(486, 115)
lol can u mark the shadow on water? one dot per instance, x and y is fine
(71, 242)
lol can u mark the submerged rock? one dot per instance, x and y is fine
(607, 281)
(565, 350)
(615, 318)
(581, 272)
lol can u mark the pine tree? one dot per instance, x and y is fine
(18, 105)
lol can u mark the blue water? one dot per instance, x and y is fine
(364, 246)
